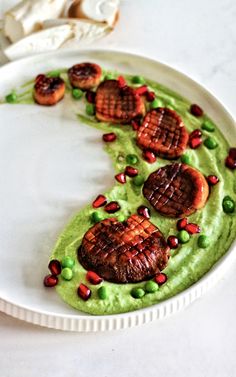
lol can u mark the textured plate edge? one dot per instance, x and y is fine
(142, 316)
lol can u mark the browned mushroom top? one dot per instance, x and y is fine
(176, 190)
(163, 132)
(48, 90)
(131, 251)
(85, 75)
(116, 104)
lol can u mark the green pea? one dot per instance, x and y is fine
(138, 180)
(227, 197)
(210, 143)
(109, 76)
(120, 218)
(11, 98)
(183, 236)
(102, 293)
(67, 262)
(208, 126)
(156, 103)
(96, 217)
(151, 286)
(55, 73)
(137, 292)
(67, 273)
(90, 109)
(203, 241)
(138, 80)
(170, 101)
(77, 93)
(131, 159)
(185, 158)
(228, 206)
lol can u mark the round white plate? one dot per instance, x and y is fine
(51, 166)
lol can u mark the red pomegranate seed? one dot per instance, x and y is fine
(90, 96)
(173, 242)
(212, 180)
(150, 96)
(230, 162)
(195, 142)
(192, 228)
(160, 278)
(93, 278)
(84, 292)
(181, 223)
(196, 110)
(50, 281)
(121, 178)
(232, 153)
(112, 207)
(55, 267)
(108, 138)
(121, 81)
(195, 133)
(135, 125)
(149, 156)
(141, 90)
(100, 201)
(130, 171)
(39, 77)
(144, 211)
(136, 122)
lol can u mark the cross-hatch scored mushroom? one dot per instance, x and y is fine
(124, 252)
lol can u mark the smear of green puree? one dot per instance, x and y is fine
(188, 263)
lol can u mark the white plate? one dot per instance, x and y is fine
(49, 164)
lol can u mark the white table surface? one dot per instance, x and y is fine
(198, 38)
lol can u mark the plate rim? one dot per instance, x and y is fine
(90, 323)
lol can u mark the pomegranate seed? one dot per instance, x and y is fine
(232, 153)
(50, 281)
(136, 122)
(160, 278)
(90, 96)
(108, 138)
(93, 278)
(84, 292)
(192, 228)
(130, 171)
(121, 81)
(212, 180)
(181, 223)
(141, 90)
(173, 242)
(195, 133)
(39, 77)
(149, 156)
(100, 201)
(150, 96)
(230, 162)
(55, 267)
(112, 207)
(144, 211)
(195, 142)
(121, 178)
(135, 125)
(196, 110)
